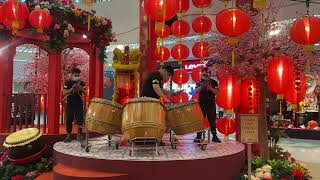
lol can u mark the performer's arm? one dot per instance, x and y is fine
(67, 90)
(160, 93)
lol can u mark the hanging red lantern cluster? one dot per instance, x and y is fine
(250, 95)
(182, 6)
(180, 77)
(201, 3)
(15, 14)
(229, 92)
(306, 31)
(196, 74)
(180, 52)
(162, 54)
(202, 24)
(162, 30)
(180, 28)
(279, 75)
(160, 10)
(297, 92)
(226, 125)
(40, 19)
(232, 23)
(180, 98)
(201, 50)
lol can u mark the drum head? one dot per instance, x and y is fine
(105, 101)
(180, 105)
(144, 99)
(22, 137)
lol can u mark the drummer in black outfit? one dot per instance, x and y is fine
(153, 87)
(207, 89)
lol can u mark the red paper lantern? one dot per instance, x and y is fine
(195, 96)
(180, 77)
(306, 31)
(297, 92)
(180, 51)
(15, 10)
(180, 28)
(312, 124)
(250, 94)
(160, 10)
(280, 74)
(232, 22)
(14, 25)
(201, 3)
(201, 50)
(226, 125)
(162, 31)
(40, 19)
(229, 92)
(182, 6)
(202, 25)
(1, 15)
(196, 74)
(180, 98)
(162, 54)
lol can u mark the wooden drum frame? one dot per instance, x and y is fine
(143, 118)
(104, 116)
(185, 118)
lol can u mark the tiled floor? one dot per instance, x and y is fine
(186, 150)
(305, 151)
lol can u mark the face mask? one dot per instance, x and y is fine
(75, 78)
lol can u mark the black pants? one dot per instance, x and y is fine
(74, 112)
(210, 113)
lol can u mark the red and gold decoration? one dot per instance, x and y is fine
(180, 52)
(196, 74)
(202, 3)
(202, 25)
(40, 19)
(226, 126)
(259, 4)
(201, 50)
(162, 54)
(297, 92)
(180, 77)
(126, 78)
(229, 92)
(160, 10)
(162, 31)
(15, 14)
(180, 28)
(180, 98)
(182, 6)
(250, 95)
(279, 75)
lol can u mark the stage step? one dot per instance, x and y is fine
(63, 172)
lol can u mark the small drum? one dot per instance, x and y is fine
(185, 118)
(104, 116)
(143, 118)
(25, 146)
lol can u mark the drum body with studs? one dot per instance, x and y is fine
(143, 118)
(104, 116)
(185, 118)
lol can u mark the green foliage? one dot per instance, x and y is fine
(280, 168)
(278, 153)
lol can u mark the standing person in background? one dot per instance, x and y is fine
(208, 89)
(72, 91)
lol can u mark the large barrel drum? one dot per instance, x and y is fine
(143, 118)
(104, 116)
(25, 146)
(185, 118)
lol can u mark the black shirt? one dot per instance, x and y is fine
(154, 78)
(75, 97)
(206, 97)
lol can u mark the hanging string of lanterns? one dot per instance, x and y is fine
(298, 89)
(40, 19)
(180, 77)
(15, 14)
(250, 96)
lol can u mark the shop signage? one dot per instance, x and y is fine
(189, 65)
(249, 129)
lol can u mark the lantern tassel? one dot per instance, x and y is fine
(232, 58)
(89, 22)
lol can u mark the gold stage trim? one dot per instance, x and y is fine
(22, 137)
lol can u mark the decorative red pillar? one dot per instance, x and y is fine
(54, 90)
(92, 75)
(152, 62)
(99, 74)
(7, 53)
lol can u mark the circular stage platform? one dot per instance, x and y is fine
(221, 161)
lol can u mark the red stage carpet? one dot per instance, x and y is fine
(220, 161)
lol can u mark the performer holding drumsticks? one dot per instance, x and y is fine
(72, 91)
(208, 89)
